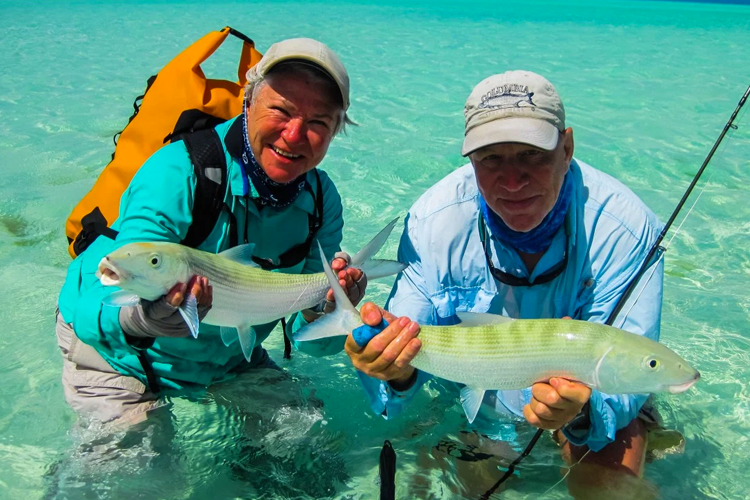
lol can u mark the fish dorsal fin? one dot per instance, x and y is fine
(247, 340)
(121, 298)
(471, 400)
(482, 319)
(369, 250)
(242, 254)
(228, 335)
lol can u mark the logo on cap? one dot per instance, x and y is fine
(510, 95)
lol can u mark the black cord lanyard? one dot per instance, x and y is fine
(513, 280)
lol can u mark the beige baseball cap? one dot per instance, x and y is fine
(515, 106)
(309, 50)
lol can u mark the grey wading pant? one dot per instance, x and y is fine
(92, 387)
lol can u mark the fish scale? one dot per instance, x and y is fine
(241, 292)
(519, 352)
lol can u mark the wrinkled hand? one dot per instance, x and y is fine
(387, 356)
(556, 403)
(352, 280)
(161, 318)
(198, 285)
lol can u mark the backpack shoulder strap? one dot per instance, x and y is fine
(207, 156)
(315, 220)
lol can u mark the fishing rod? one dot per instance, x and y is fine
(654, 254)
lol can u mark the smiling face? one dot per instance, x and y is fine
(521, 183)
(291, 123)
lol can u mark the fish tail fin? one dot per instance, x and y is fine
(341, 321)
(377, 268)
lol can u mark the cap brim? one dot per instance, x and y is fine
(532, 131)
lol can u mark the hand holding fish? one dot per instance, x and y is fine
(388, 354)
(351, 279)
(161, 317)
(556, 403)
(199, 288)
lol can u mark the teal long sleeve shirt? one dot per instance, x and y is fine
(157, 206)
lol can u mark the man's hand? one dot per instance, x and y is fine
(554, 404)
(352, 280)
(388, 354)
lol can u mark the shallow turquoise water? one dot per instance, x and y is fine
(647, 87)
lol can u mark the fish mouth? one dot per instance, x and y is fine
(678, 388)
(108, 273)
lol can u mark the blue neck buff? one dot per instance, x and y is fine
(270, 192)
(540, 238)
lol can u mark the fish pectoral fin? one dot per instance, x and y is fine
(471, 400)
(228, 335)
(481, 319)
(189, 311)
(247, 337)
(242, 254)
(121, 298)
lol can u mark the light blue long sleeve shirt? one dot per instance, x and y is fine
(608, 233)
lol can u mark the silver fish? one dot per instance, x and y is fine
(490, 352)
(243, 294)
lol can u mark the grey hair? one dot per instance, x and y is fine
(256, 81)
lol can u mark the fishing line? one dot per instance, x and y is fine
(567, 473)
(656, 251)
(657, 244)
(663, 250)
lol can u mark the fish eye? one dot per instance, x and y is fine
(652, 363)
(154, 260)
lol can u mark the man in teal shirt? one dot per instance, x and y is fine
(119, 362)
(526, 231)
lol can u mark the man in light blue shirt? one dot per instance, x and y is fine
(526, 231)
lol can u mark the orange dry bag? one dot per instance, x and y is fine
(180, 89)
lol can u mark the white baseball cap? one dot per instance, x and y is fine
(308, 50)
(515, 106)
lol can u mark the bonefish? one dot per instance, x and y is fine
(492, 352)
(243, 294)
